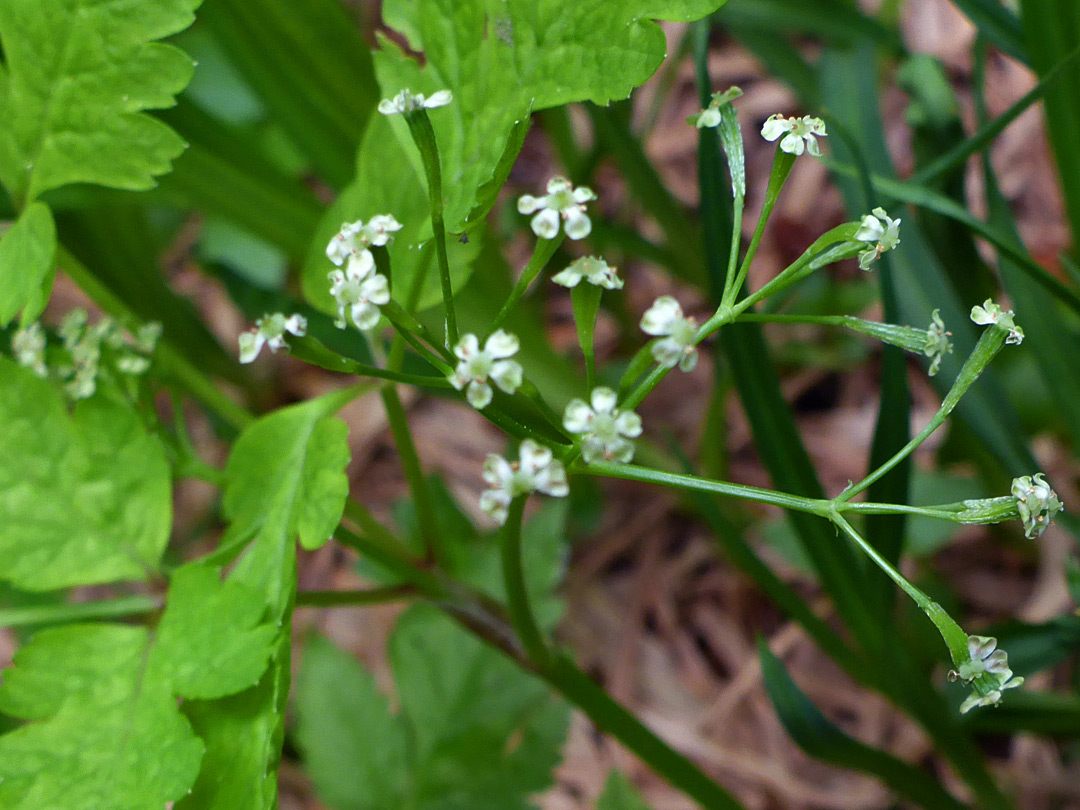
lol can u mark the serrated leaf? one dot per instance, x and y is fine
(387, 183)
(213, 634)
(485, 735)
(85, 497)
(286, 476)
(620, 794)
(340, 712)
(109, 731)
(27, 251)
(504, 60)
(77, 76)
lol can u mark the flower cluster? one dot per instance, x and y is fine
(535, 471)
(1036, 502)
(799, 134)
(665, 319)
(710, 116)
(591, 269)
(562, 200)
(359, 291)
(987, 670)
(88, 350)
(990, 313)
(407, 101)
(604, 428)
(937, 342)
(270, 331)
(478, 365)
(881, 232)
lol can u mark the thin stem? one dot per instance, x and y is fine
(408, 327)
(424, 137)
(120, 607)
(989, 344)
(359, 598)
(517, 594)
(693, 483)
(542, 253)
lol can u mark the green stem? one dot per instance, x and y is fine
(782, 163)
(424, 137)
(414, 473)
(951, 632)
(542, 253)
(517, 595)
(80, 611)
(408, 327)
(360, 598)
(990, 343)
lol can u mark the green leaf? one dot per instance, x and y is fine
(77, 76)
(27, 252)
(211, 631)
(85, 497)
(504, 60)
(387, 183)
(286, 477)
(483, 734)
(620, 794)
(822, 740)
(355, 750)
(109, 733)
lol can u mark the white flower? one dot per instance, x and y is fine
(604, 427)
(270, 331)
(799, 133)
(406, 101)
(1036, 502)
(937, 342)
(710, 116)
(537, 471)
(883, 234)
(665, 318)
(355, 238)
(987, 668)
(359, 291)
(591, 269)
(562, 200)
(991, 313)
(477, 365)
(28, 346)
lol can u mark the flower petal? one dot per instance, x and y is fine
(496, 503)
(365, 316)
(661, 316)
(546, 224)
(361, 264)
(376, 289)
(568, 277)
(603, 400)
(793, 144)
(775, 126)
(439, 99)
(502, 344)
(507, 374)
(557, 184)
(497, 471)
(578, 416)
(578, 224)
(667, 352)
(296, 324)
(251, 344)
(479, 394)
(688, 361)
(583, 194)
(628, 423)
(871, 229)
(527, 204)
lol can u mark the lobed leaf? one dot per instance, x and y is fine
(85, 497)
(27, 251)
(77, 76)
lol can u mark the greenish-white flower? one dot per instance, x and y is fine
(270, 331)
(937, 342)
(710, 116)
(1036, 502)
(476, 366)
(591, 269)
(535, 471)
(354, 238)
(359, 292)
(987, 671)
(28, 347)
(799, 134)
(562, 201)
(881, 232)
(678, 333)
(605, 429)
(991, 314)
(407, 101)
